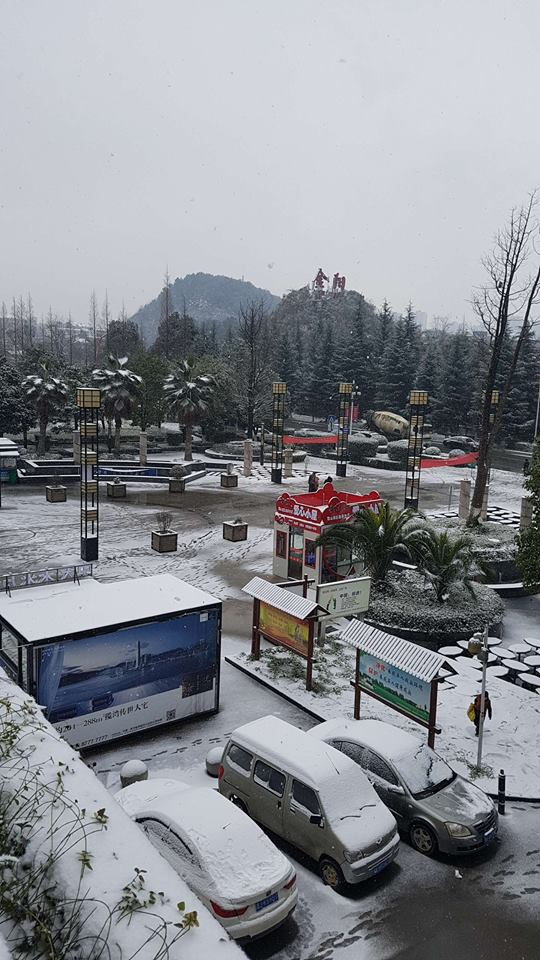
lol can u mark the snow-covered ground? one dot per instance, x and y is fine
(516, 719)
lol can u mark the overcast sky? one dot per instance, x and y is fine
(386, 139)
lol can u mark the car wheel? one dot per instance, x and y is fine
(238, 803)
(331, 874)
(423, 839)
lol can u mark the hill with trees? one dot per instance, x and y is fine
(209, 300)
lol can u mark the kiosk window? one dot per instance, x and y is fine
(281, 544)
(309, 553)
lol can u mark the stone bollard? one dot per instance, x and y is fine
(132, 772)
(143, 448)
(526, 513)
(464, 499)
(248, 457)
(287, 462)
(483, 512)
(76, 447)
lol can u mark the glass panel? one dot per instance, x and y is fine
(240, 758)
(271, 779)
(306, 797)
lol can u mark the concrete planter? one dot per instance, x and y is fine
(55, 494)
(164, 542)
(229, 479)
(235, 531)
(115, 490)
(177, 484)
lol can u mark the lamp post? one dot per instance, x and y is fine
(88, 401)
(418, 401)
(537, 414)
(478, 646)
(279, 396)
(344, 427)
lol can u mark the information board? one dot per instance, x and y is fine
(395, 687)
(343, 598)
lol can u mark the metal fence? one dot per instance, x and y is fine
(37, 578)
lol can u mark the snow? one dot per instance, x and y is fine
(511, 739)
(285, 746)
(239, 860)
(388, 740)
(36, 613)
(114, 851)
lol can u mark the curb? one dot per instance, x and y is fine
(317, 716)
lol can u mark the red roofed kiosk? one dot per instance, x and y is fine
(300, 518)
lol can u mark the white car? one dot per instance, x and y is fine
(226, 859)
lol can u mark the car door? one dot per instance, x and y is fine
(303, 805)
(386, 783)
(269, 788)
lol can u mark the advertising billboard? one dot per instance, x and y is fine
(109, 685)
(396, 687)
(287, 630)
(343, 598)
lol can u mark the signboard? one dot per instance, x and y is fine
(285, 629)
(395, 687)
(97, 688)
(342, 598)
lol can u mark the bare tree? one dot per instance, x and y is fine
(509, 296)
(14, 308)
(252, 359)
(93, 320)
(70, 335)
(22, 313)
(106, 320)
(4, 318)
(30, 314)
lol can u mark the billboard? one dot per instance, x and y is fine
(343, 598)
(395, 687)
(96, 688)
(285, 629)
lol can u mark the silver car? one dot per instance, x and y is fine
(435, 807)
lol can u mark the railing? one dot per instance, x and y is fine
(37, 578)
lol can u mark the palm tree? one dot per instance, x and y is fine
(119, 387)
(189, 394)
(376, 537)
(46, 393)
(445, 561)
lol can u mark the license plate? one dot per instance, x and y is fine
(261, 904)
(379, 867)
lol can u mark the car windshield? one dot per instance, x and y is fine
(424, 772)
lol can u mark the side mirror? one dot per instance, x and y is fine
(316, 819)
(395, 788)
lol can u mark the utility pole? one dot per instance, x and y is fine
(478, 645)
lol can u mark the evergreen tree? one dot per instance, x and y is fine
(176, 334)
(385, 325)
(528, 541)
(453, 400)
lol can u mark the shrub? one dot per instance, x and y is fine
(432, 451)
(362, 447)
(163, 520)
(397, 450)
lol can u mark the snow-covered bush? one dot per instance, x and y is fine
(432, 451)
(456, 452)
(409, 605)
(363, 446)
(70, 887)
(397, 450)
(178, 472)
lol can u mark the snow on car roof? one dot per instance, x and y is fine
(390, 741)
(281, 743)
(57, 610)
(239, 859)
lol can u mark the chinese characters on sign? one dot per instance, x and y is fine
(345, 597)
(287, 630)
(396, 687)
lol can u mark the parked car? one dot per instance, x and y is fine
(313, 796)
(433, 805)
(467, 443)
(226, 859)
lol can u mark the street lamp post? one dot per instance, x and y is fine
(478, 646)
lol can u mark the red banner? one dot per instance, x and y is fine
(304, 441)
(451, 462)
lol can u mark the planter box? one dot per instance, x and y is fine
(177, 484)
(229, 479)
(164, 542)
(116, 490)
(55, 494)
(235, 531)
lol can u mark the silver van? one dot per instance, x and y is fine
(311, 795)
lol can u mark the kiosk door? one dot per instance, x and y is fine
(296, 553)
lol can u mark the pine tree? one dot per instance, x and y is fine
(528, 555)
(453, 400)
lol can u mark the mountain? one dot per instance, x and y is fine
(207, 298)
